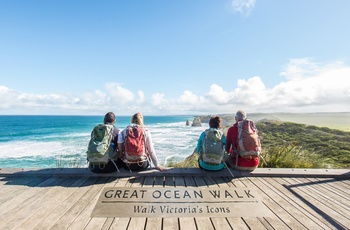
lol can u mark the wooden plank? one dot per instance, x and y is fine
(9, 205)
(278, 184)
(170, 223)
(342, 185)
(238, 222)
(53, 217)
(306, 218)
(159, 181)
(13, 188)
(251, 222)
(330, 197)
(233, 222)
(218, 222)
(115, 182)
(100, 223)
(277, 203)
(202, 222)
(33, 218)
(140, 222)
(35, 197)
(323, 206)
(308, 210)
(334, 197)
(151, 223)
(83, 218)
(122, 223)
(179, 181)
(259, 172)
(184, 222)
(187, 223)
(17, 181)
(75, 204)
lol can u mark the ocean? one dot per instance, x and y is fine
(61, 141)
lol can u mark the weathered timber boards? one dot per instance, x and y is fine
(328, 209)
(259, 172)
(50, 202)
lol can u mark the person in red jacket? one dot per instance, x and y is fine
(232, 146)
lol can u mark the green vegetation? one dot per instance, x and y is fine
(190, 162)
(290, 156)
(320, 146)
(293, 145)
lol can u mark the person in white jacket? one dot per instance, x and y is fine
(137, 121)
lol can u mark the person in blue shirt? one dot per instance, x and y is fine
(214, 124)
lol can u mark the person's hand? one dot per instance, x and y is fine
(161, 168)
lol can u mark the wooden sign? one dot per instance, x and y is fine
(179, 202)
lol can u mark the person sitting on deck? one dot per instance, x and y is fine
(136, 147)
(102, 154)
(211, 146)
(232, 146)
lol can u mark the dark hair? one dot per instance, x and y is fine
(215, 122)
(109, 118)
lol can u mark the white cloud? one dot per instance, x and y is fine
(218, 96)
(119, 95)
(243, 7)
(158, 99)
(188, 97)
(308, 87)
(141, 97)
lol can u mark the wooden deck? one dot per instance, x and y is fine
(65, 198)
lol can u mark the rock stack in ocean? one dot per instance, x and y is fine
(196, 122)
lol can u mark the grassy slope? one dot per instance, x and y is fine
(329, 145)
(322, 137)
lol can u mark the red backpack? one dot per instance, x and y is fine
(248, 140)
(135, 150)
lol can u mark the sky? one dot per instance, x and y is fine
(158, 57)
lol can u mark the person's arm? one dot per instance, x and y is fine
(229, 140)
(199, 143)
(115, 138)
(151, 152)
(120, 142)
(235, 137)
(223, 140)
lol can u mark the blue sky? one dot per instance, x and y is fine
(174, 57)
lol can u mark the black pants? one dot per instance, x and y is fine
(105, 168)
(137, 166)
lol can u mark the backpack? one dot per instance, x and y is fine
(248, 140)
(101, 148)
(212, 151)
(134, 143)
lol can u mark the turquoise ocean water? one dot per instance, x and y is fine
(61, 141)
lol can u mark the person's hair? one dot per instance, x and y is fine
(215, 122)
(241, 115)
(137, 118)
(109, 118)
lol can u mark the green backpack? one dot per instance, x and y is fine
(101, 149)
(212, 151)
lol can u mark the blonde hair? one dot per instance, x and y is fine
(137, 118)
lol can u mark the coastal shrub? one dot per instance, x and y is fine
(289, 156)
(190, 162)
(293, 145)
(328, 144)
(73, 161)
